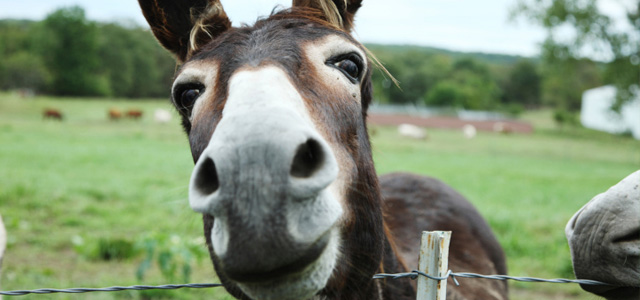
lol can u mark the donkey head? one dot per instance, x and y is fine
(275, 115)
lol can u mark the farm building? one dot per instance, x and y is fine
(597, 114)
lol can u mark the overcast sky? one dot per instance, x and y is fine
(464, 25)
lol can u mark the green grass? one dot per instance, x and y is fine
(87, 179)
(67, 186)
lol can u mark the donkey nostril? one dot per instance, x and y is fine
(574, 219)
(632, 236)
(206, 180)
(308, 159)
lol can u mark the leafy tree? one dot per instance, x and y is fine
(14, 36)
(522, 85)
(595, 35)
(445, 93)
(417, 72)
(153, 67)
(472, 65)
(23, 70)
(468, 85)
(133, 62)
(115, 45)
(69, 55)
(564, 82)
(19, 66)
(68, 43)
(408, 70)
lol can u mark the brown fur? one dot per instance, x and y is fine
(172, 23)
(370, 242)
(114, 114)
(134, 114)
(51, 113)
(417, 203)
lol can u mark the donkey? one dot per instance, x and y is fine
(284, 177)
(604, 237)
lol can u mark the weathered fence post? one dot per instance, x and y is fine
(434, 261)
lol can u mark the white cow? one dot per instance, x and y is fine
(604, 237)
(412, 131)
(469, 131)
(161, 116)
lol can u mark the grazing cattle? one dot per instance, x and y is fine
(114, 114)
(502, 127)
(284, 176)
(134, 114)
(469, 131)
(412, 131)
(604, 237)
(50, 113)
(161, 116)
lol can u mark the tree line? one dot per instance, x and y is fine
(67, 54)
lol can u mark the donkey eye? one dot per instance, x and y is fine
(350, 64)
(189, 96)
(349, 67)
(185, 97)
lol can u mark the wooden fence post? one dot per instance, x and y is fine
(434, 261)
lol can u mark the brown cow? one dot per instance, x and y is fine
(134, 114)
(114, 114)
(51, 113)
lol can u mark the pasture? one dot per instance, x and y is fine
(68, 187)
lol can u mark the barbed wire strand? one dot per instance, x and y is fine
(412, 275)
(112, 289)
(415, 273)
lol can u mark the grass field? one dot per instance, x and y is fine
(67, 187)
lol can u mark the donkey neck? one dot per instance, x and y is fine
(392, 263)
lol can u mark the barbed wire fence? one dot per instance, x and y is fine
(411, 275)
(432, 276)
(112, 289)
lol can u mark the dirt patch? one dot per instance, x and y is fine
(450, 123)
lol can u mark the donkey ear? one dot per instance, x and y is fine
(338, 12)
(183, 26)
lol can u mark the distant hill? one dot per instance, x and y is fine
(491, 58)
(21, 23)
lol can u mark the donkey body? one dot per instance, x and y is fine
(284, 178)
